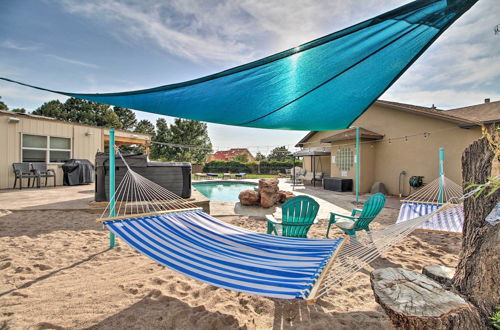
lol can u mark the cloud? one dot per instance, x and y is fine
(16, 46)
(73, 61)
(229, 32)
(176, 27)
(16, 96)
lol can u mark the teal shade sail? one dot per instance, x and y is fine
(324, 84)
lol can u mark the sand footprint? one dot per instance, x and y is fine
(5, 265)
(19, 294)
(42, 267)
(157, 281)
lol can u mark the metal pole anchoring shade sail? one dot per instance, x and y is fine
(324, 84)
(112, 201)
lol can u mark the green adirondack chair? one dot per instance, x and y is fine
(298, 215)
(351, 224)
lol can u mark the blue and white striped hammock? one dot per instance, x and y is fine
(450, 221)
(199, 246)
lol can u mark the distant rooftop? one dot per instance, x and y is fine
(487, 112)
(228, 154)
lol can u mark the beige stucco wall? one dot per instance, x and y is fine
(417, 154)
(367, 159)
(83, 146)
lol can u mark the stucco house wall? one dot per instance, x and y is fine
(404, 147)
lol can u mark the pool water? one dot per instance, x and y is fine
(223, 191)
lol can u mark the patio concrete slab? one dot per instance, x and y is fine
(48, 198)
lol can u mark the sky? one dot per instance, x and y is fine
(113, 46)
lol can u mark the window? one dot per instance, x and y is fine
(344, 159)
(43, 149)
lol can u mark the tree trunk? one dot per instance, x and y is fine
(414, 301)
(477, 274)
(440, 274)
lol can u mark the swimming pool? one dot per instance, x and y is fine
(223, 191)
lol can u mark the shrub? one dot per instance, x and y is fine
(219, 166)
(266, 167)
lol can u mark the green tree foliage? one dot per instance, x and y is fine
(280, 154)
(184, 132)
(275, 166)
(19, 110)
(241, 157)
(220, 166)
(3, 106)
(158, 150)
(266, 167)
(53, 109)
(126, 116)
(146, 127)
(81, 111)
(259, 156)
(106, 117)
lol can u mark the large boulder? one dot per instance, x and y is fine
(285, 195)
(249, 197)
(268, 192)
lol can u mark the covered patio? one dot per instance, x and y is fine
(313, 153)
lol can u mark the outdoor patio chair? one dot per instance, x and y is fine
(351, 224)
(299, 173)
(212, 175)
(226, 175)
(22, 171)
(319, 176)
(298, 215)
(41, 170)
(240, 175)
(308, 176)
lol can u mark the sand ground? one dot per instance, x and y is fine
(56, 272)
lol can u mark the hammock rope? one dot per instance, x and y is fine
(178, 234)
(432, 197)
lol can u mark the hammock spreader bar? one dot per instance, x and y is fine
(324, 84)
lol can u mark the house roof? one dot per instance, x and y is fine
(488, 112)
(228, 154)
(350, 133)
(463, 117)
(317, 151)
(427, 111)
(29, 115)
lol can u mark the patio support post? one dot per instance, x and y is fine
(357, 164)
(112, 183)
(441, 174)
(293, 174)
(314, 170)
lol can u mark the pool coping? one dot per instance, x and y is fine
(221, 180)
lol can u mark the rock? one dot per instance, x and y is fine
(249, 197)
(268, 192)
(414, 301)
(440, 274)
(378, 187)
(285, 195)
